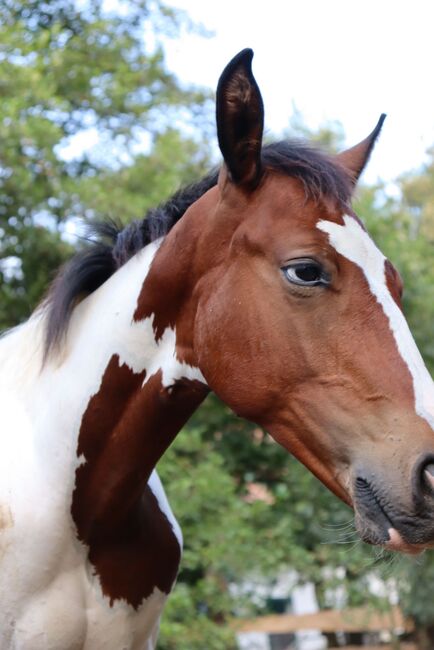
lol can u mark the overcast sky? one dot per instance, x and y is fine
(334, 59)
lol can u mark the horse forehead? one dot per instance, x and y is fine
(286, 196)
(283, 212)
(350, 240)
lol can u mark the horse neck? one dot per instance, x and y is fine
(132, 393)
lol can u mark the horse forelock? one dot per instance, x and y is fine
(320, 176)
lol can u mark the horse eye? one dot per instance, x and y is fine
(306, 273)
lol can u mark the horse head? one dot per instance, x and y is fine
(295, 320)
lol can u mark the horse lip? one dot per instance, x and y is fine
(397, 543)
(368, 505)
(374, 523)
(382, 530)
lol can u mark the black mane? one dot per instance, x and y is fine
(111, 246)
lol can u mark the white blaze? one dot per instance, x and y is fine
(352, 242)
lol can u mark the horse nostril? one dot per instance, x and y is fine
(428, 474)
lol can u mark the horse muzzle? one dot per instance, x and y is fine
(394, 515)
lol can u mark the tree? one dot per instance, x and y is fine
(418, 194)
(70, 71)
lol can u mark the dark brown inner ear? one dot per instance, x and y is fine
(355, 159)
(240, 120)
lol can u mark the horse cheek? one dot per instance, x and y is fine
(231, 361)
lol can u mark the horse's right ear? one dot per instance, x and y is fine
(240, 120)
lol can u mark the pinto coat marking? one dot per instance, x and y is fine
(52, 438)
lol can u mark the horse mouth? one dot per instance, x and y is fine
(398, 544)
(377, 526)
(389, 537)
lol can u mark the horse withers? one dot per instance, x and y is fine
(258, 283)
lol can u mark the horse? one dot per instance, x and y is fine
(258, 282)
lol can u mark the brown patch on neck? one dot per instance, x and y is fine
(124, 431)
(140, 555)
(167, 287)
(188, 266)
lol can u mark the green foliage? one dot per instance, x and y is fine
(31, 258)
(329, 135)
(70, 69)
(127, 193)
(416, 589)
(418, 194)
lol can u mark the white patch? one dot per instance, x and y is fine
(164, 357)
(49, 595)
(351, 241)
(159, 493)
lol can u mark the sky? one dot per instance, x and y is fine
(332, 59)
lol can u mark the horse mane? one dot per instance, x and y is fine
(111, 245)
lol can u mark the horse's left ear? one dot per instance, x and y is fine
(354, 160)
(240, 120)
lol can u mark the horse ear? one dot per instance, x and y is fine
(240, 120)
(354, 160)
